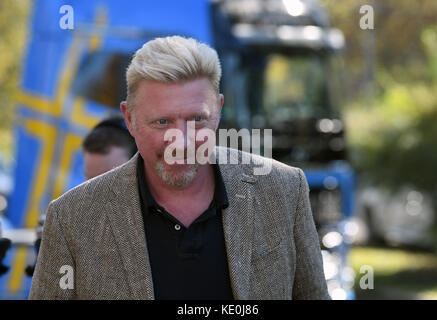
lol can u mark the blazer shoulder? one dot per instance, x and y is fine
(286, 179)
(96, 190)
(250, 162)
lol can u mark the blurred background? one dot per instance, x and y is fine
(351, 97)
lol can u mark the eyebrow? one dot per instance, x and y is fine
(201, 113)
(204, 114)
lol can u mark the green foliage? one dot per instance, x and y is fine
(13, 29)
(396, 42)
(394, 140)
(392, 133)
(398, 274)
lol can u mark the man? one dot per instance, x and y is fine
(155, 230)
(107, 146)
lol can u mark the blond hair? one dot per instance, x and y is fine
(172, 59)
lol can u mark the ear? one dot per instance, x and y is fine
(221, 101)
(128, 117)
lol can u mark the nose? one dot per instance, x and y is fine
(187, 128)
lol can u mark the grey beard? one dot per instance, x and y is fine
(176, 181)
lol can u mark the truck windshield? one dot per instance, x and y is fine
(279, 88)
(290, 94)
(293, 88)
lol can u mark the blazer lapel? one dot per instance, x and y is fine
(124, 212)
(238, 225)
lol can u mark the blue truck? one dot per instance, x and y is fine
(280, 71)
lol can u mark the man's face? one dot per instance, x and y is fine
(163, 106)
(97, 164)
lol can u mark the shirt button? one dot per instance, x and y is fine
(177, 227)
(159, 210)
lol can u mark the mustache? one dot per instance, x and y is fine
(160, 155)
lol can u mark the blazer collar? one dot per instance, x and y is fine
(124, 212)
(238, 220)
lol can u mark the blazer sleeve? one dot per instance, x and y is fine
(54, 272)
(309, 281)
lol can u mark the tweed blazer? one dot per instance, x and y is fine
(96, 229)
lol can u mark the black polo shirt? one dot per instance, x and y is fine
(187, 263)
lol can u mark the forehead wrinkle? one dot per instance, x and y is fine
(179, 113)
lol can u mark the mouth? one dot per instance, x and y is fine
(175, 161)
(181, 162)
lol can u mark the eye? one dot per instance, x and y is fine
(197, 118)
(161, 121)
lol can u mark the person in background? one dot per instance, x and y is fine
(107, 146)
